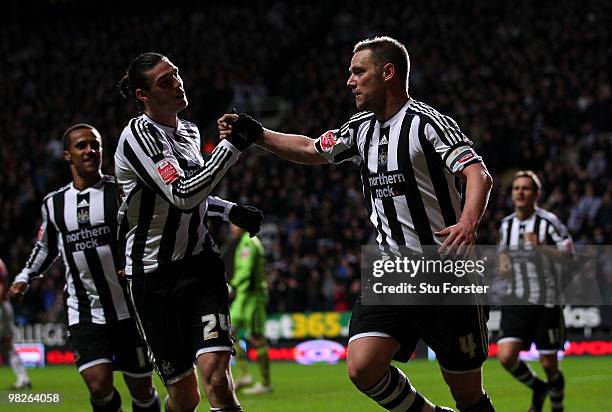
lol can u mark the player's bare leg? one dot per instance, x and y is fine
(99, 380)
(368, 360)
(556, 381)
(184, 395)
(217, 380)
(467, 391)
(370, 370)
(144, 394)
(508, 355)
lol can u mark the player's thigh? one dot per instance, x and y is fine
(92, 348)
(371, 352)
(99, 379)
(516, 325)
(368, 359)
(549, 335)
(139, 387)
(161, 322)
(91, 345)
(457, 334)
(184, 392)
(214, 364)
(385, 321)
(130, 351)
(508, 352)
(515, 333)
(464, 385)
(207, 313)
(377, 335)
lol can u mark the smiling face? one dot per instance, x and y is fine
(165, 94)
(524, 192)
(366, 81)
(84, 152)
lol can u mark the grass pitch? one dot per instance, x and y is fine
(327, 388)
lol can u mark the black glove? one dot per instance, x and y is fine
(247, 217)
(245, 131)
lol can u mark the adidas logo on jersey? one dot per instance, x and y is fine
(384, 140)
(83, 203)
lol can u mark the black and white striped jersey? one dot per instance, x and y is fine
(535, 276)
(408, 166)
(166, 185)
(81, 225)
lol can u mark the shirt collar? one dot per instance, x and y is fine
(532, 216)
(397, 116)
(96, 185)
(167, 129)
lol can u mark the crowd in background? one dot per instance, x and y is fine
(529, 83)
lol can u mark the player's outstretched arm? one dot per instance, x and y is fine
(292, 147)
(43, 255)
(478, 188)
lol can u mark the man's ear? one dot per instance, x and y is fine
(67, 156)
(141, 95)
(388, 71)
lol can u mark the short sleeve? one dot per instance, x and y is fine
(451, 144)
(340, 145)
(560, 236)
(336, 148)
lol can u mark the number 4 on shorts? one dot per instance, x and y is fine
(466, 343)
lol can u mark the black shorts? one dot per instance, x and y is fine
(118, 343)
(545, 326)
(183, 311)
(457, 334)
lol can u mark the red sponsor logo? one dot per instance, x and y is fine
(167, 171)
(41, 230)
(327, 141)
(466, 157)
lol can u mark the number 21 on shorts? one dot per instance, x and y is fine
(210, 321)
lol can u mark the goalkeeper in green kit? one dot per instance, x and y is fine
(248, 310)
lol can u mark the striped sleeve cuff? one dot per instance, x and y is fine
(25, 276)
(227, 144)
(218, 207)
(228, 207)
